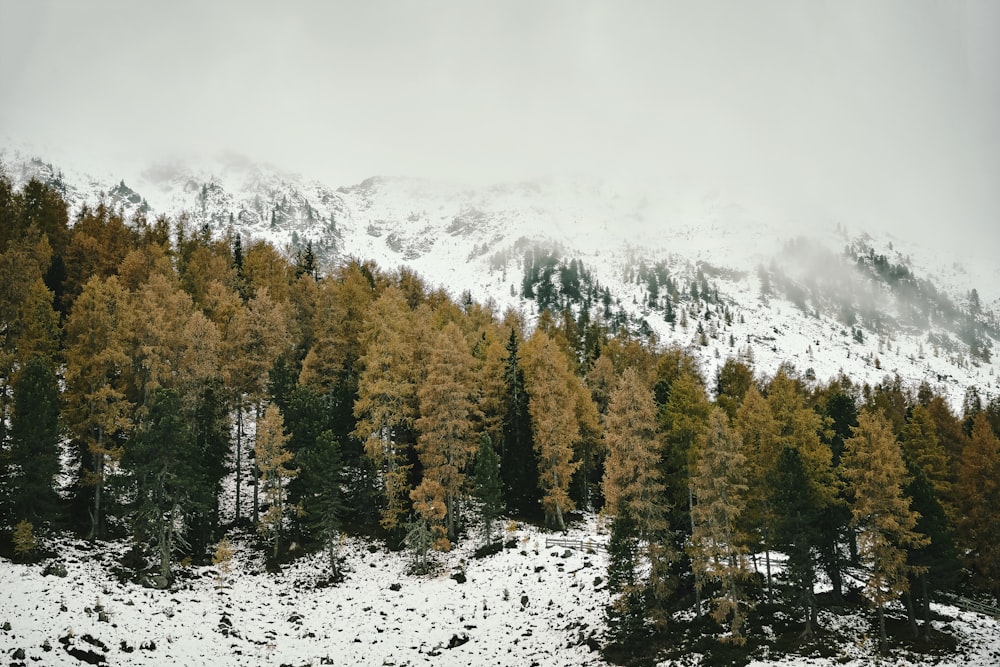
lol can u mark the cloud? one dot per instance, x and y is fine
(872, 114)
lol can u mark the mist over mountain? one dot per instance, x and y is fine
(692, 268)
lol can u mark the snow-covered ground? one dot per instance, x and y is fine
(528, 605)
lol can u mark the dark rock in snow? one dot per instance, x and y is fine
(459, 577)
(55, 568)
(524, 601)
(395, 587)
(457, 640)
(86, 655)
(18, 654)
(93, 641)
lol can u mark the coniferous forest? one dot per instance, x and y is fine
(165, 386)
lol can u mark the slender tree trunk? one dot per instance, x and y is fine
(911, 616)
(883, 641)
(697, 581)
(166, 546)
(813, 607)
(239, 455)
(450, 510)
(926, 603)
(559, 515)
(767, 566)
(256, 476)
(95, 517)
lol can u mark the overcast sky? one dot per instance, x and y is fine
(873, 113)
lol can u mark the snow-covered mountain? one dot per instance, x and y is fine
(689, 268)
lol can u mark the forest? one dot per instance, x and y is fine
(166, 386)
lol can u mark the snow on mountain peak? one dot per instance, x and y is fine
(820, 298)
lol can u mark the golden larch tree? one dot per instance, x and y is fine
(386, 408)
(447, 440)
(875, 472)
(554, 423)
(718, 546)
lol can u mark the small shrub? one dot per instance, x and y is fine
(25, 544)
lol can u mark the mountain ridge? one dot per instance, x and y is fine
(769, 289)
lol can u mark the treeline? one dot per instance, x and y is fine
(162, 362)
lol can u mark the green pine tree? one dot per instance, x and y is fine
(797, 512)
(34, 449)
(322, 471)
(489, 491)
(163, 461)
(518, 468)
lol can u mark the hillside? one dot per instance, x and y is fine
(251, 418)
(691, 269)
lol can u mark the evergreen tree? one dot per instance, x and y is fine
(799, 427)
(798, 513)
(489, 489)
(922, 447)
(978, 489)
(163, 461)
(625, 615)
(323, 503)
(718, 544)
(206, 413)
(589, 449)
(875, 472)
(34, 444)
(682, 420)
(29, 326)
(518, 468)
(935, 564)
(954, 440)
(734, 379)
(272, 458)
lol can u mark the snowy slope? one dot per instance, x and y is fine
(475, 239)
(531, 604)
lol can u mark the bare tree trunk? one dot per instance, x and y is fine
(166, 547)
(910, 615)
(767, 566)
(256, 474)
(924, 590)
(883, 641)
(697, 582)
(807, 605)
(95, 516)
(239, 455)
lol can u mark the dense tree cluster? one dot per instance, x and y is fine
(165, 385)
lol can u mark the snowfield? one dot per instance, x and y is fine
(532, 604)
(526, 605)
